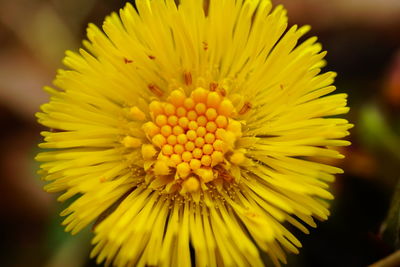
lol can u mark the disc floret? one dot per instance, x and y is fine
(189, 136)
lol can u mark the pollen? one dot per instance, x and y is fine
(191, 135)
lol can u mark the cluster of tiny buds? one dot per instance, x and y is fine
(189, 134)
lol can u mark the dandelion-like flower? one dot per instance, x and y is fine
(186, 132)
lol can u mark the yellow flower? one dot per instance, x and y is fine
(188, 132)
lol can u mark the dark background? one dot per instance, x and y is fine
(362, 38)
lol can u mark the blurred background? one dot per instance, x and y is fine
(363, 42)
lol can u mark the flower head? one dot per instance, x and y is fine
(187, 131)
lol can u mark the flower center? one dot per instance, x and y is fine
(190, 137)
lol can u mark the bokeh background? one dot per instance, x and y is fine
(363, 42)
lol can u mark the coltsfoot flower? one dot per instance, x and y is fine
(187, 131)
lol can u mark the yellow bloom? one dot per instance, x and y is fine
(187, 132)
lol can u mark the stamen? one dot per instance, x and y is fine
(155, 90)
(205, 46)
(127, 61)
(246, 107)
(188, 78)
(213, 86)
